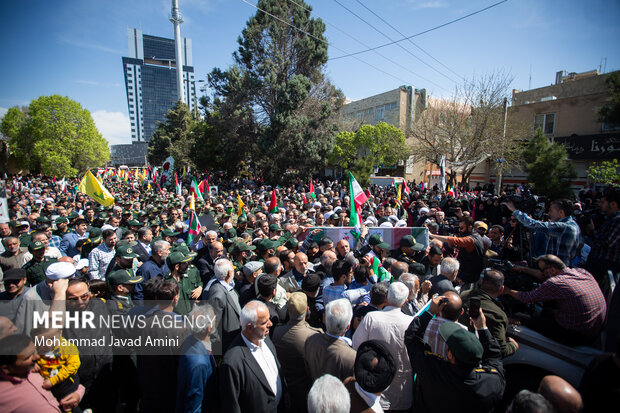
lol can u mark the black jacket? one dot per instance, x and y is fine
(227, 311)
(470, 390)
(243, 385)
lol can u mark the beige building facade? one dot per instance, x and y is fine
(398, 107)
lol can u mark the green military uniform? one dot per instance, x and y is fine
(35, 271)
(24, 239)
(188, 281)
(408, 241)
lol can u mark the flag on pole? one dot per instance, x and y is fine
(63, 185)
(204, 187)
(358, 197)
(406, 188)
(194, 226)
(194, 188)
(312, 193)
(442, 170)
(273, 204)
(240, 211)
(93, 188)
(177, 185)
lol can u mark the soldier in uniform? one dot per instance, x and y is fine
(122, 283)
(190, 287)
(93, 241)
(61, 226)
(406, 253)
(35, 268)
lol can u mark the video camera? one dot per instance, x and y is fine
(526, 202)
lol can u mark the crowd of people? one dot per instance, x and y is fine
(300, 321)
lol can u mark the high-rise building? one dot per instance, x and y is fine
(151, 83)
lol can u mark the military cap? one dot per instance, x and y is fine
(36, 245)
(155, 223)
(169, 233)
(119, 277)
(410, 242)
(266, 244)
(73, 215)
(126, 252)
(178, 257)
(133, 223)
(376, 241)
(43, 220)
(275, 227)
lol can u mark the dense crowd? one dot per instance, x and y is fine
(300, 319)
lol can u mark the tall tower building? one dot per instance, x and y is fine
(151, 80)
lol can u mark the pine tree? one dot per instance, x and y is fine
(549, 170)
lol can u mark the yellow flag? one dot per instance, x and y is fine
(192, 201)
(241, 205)
(94, 189)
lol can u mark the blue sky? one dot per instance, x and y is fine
(74, 48)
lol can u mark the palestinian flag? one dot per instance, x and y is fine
(204, 187)
(177, 185)
(240, 211)
(406, 188)
(273, 205)
(312, 193)
(195, 190)
(358, 197)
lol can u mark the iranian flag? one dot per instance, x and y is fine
(194, 227)
(63, 185)
(274, 202)
(377, 268)
(177, 185)
(194, 188)
(358, 197)
(312, 193)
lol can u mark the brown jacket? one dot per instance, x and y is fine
(289, 340)
(328, 355)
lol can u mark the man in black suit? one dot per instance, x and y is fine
(143, 248)
(250, 379)
(221, 294)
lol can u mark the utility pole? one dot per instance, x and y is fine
(500, 166)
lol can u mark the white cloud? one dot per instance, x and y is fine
(114, 126)
(3, 111)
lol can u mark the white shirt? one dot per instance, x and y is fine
(147, 247)
(389, 325)
(371, 399)
(264, 357)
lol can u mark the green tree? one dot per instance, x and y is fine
(548, 168)
(610, 113)
(605, 173)
(174, 136)
(55, 135)
(273, 111)
(369, 147)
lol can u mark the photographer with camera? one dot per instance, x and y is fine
(605, 252)
(471, 250)
(562, 233)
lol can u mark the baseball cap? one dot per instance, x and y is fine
(481, 224)
(251, 267)
(119, 277)
(297, 304)
(14, 274)
(126, 252)
(464, 345)
(410, 242)
(376, 241)
(60, 270)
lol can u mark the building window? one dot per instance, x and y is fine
(545, 122)
(380, 114)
